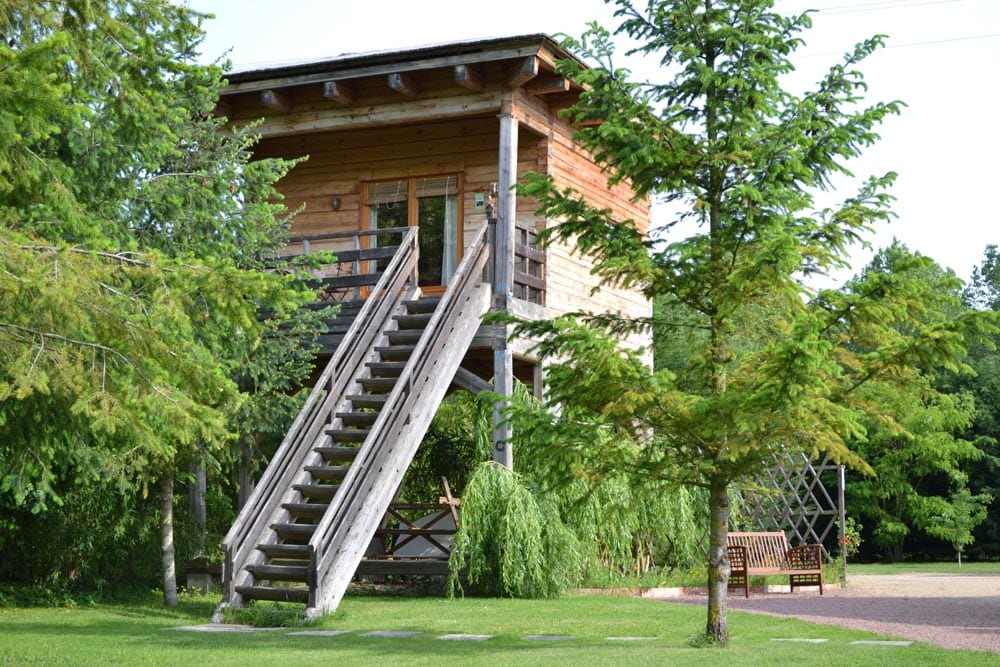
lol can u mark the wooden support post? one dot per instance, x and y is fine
(842, 518)
(503, 280)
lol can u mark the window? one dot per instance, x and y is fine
(433, 205)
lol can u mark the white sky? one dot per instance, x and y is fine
(942, 61)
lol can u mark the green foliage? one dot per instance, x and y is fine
(913, 437)
(268, 615)
(851, 541)
(136, 238)
(512, 544)
(956, 519)
(768, 363)
(458, 440)
(983, 293)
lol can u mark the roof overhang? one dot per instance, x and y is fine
(351, 66)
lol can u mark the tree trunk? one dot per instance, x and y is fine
(717, 628)
(246, 469)
(167, 539)
(199, 510)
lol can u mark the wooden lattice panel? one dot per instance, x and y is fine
(793, 497)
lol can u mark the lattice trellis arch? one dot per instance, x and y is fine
(794, 496)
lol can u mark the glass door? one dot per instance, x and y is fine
(432, 204)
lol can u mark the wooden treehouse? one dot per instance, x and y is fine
(412, 158)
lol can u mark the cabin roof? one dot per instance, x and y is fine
(351, 65)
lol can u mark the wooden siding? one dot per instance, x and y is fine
(339, 162)
(569, 281)
(374, 141)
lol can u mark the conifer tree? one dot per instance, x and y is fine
(772, 364)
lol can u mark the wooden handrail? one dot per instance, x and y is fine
(529, 268)
(241, 541)
(370, 482)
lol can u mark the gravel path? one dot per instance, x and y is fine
(953, 611)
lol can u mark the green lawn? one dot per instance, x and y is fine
(145, 634)
(909, 568)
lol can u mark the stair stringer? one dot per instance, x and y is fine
(349, 524)
(361, 503)
(346, 366)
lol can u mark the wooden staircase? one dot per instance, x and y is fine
(306, 527)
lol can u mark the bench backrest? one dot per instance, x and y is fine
(764, 550)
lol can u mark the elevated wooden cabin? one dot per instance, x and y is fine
(412, 159)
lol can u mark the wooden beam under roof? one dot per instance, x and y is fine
(273, 99)
(523, 72)
(380, 69)
(547, 86)
(469, 76)
(338, 91)
(337, 118)
(223, 108)
(404, 84)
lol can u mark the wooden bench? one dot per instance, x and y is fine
(753, 554)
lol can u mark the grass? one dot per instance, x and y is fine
(911, 568)
(143, 633)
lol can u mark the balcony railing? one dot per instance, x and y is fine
(358, 256)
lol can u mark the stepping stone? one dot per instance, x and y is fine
(224, 627)
(318, 633)
(547, 638)
(403, 634)
(465, 638)
(802, 640)
(872, 642)
(629, 639)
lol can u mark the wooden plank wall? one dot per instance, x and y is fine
(339, 162)
(569, 282)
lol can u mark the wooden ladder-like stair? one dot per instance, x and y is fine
(285, 573)
(317, 507)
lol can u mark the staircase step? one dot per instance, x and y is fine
(426, 304)
(347, 434)
(378, 385)
(375, 401)
(415, 321)
(285, 551)
(396, 352)
(299, 573)
(293, 531)
(404, 336)
(274, 593)
(358, 418)
(328, 473)
(386, 368)
(316, 491)
(306, 510)
(337, 453)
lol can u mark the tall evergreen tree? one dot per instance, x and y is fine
(134, 238)
(772, 364)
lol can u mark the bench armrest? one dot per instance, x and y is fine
(806, 557)
(739, 559)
